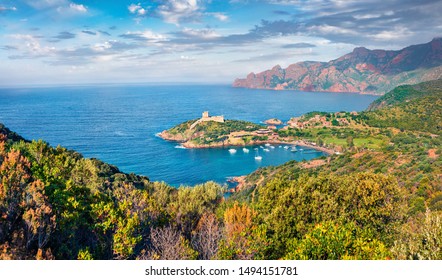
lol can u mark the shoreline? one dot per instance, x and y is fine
(309, 91)
(302, 143)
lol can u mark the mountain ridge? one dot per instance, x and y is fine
(363, 70)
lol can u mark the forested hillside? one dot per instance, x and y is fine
(373, 201)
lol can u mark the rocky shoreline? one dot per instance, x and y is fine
(189, 145)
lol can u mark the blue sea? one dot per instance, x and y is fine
(118, 124)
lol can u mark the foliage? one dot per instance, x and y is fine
(244, 239)
(331, 241)
(417, 108)
(421, 238)
(406, 93)
(292, 208)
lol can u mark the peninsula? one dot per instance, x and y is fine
(332, 133)
(214, 131)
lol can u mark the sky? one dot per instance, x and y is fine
(195, 41)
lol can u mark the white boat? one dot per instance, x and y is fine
(272, 147)
(293, 150)
(245, 150)
(286, 147)
(279, 146)
(256, 149)
(257, 156)
(232, 151)
(267, 145)
(261, 147)
(266, 150)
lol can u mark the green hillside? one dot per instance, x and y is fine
(415, 108)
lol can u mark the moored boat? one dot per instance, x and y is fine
(257, 156)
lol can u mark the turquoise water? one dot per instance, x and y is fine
(117, 124)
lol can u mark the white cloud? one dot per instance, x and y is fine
(3, 8)
(220, 16)
(396, 33)
(72, 9)
(133, 8)
(142, 12)
(78, 7)
(64, 7)
(100, 47)
(367, 16)
(329, 29)
(177, 11)
(30, 46)
(201, 33)
(137, 9)
(147, 35)
(186, 57)
(43, 4)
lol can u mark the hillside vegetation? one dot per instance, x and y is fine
(378, 200)
(415, 107)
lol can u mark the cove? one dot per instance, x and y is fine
(117, 124)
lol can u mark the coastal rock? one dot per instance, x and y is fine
(171, 137)
(273, 122)
(363, 70)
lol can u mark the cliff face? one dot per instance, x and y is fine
(363, 70)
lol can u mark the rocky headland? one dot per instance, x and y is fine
(363, 70)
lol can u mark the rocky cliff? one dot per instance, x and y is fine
(362, 70)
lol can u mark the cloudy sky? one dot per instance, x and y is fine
(195, 41)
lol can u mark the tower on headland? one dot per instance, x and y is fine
(207, 118)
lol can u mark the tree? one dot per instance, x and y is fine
(126, 236)
(350, 143)
(84, 254)
(14, 174)
(243, 239)
(3, 139)
(319, 141)
(38, 215)
(168, 244)
(192, 202)
(119, 226)
(421, 238)
(332, 241)
(291, 208)
(206, 237)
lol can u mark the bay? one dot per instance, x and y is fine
(118, 123)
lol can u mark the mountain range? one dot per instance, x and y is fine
(363, 70)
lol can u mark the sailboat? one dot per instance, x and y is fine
(257, 156)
